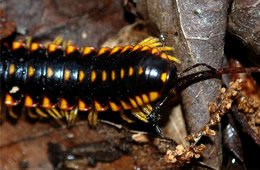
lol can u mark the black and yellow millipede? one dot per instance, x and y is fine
(59, 82)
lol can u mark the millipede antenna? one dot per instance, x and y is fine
(187, 80)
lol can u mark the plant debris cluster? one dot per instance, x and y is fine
(227, 98)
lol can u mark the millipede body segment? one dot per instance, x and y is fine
(121, 78)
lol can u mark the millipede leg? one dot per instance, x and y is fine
(11, 112)
(95, 117)
(62, 113)
(31, 114)
(67, 115)
(149, 40)
(72, 116)
(139, 114)
(166, 48)
(57, 113)
(40, 112)
(58, 40)
(65, 44)
(173, 59)
(92, 117)
(51, 113)
(28, 42)
(155, 42)
(147, 109)
(125, 118)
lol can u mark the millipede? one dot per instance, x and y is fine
(56, 81)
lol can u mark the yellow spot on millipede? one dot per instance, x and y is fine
(52, 47)
(126, 48)
(113, 75)
(139, 100)
(136, 47)
(30, 71)
(131, 71)
(81, 105)
(103, 50)
(104, 75)
(164, 56)
(114, 107)
(11, 69)
(145, 48)
(8, 99)
(98, 106)
(49, 72)
(153, 96)
(145, 98)
(34, 46)
(115, 49)
(17, 45)
(122, 73)
(93, 76)
(63, 104)
(140, 70)
(164, 77)
(132, 101)
(46, 102)
(70, 49)
(155, 51)
(87, 50)
(28, 102)
(81, 75)
(125, 105)
(66, 74)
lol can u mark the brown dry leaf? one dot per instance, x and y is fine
(244, 23)
(231, 139)
(7, 27)
(86, 23)
(196, 29)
